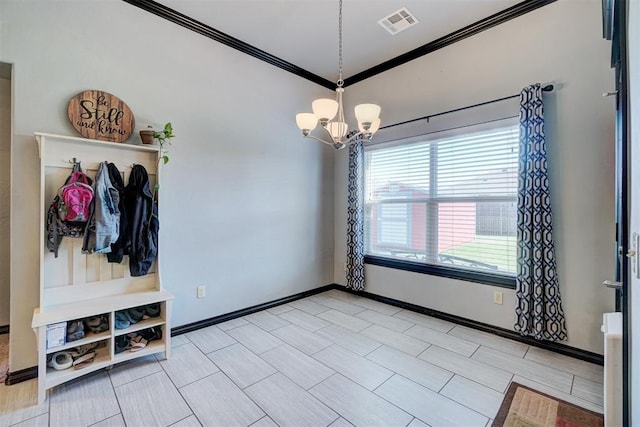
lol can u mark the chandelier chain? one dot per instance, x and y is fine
(340, 81)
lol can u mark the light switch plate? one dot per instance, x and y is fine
(202, 291)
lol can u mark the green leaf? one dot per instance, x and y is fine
(165, 159)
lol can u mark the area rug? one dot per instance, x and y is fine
(4, 356)
(525, 407)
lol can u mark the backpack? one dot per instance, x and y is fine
(76, 197)
(70, 209)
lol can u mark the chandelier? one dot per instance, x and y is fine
(330, 113)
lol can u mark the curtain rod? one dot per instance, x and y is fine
(547, 88)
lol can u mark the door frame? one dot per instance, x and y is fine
(619, 61)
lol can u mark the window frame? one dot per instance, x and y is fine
(492, 279)
(499, 279)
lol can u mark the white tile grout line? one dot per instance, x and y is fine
(135, 379)
(114, 393)
(182, 419)
(180, 393)
(447, 382)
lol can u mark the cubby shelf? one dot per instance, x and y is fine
(143, 324)
(88, 339)
(102, 360)
(75, 285)
(151, 348)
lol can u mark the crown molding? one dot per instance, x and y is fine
(451, 38)
(210, 32)
(198, 27)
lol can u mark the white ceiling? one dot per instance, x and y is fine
(305, 32)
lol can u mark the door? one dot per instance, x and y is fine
(627, 183)
(625, 23)
(633, 291)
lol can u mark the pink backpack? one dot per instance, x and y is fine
(75, 198)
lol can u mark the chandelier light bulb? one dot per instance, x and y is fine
(306, 122)
(337, 129)
(367, 113)
(325, 109)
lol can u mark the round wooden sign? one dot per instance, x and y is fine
(100, 115)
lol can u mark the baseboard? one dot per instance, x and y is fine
(4, 329)
(32, 372)
(178, 330)
(21, 375)
(506, 333)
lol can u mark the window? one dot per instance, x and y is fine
(447, 201)
(393, 222)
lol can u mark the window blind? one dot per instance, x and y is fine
(447, 198)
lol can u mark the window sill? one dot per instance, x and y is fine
(499, 280)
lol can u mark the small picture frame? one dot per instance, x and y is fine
(56, 335)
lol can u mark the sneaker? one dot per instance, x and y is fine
(152, 310)
(97, 324)
(135, 314)
(123, 321)
(75, 330)
(121, 343)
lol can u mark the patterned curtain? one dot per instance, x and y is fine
(539, 307)
(355, 217)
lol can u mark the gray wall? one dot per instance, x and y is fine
(5, 162)
(246, 204)
(561, 44)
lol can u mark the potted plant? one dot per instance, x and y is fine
(164, 136)
(147, 135)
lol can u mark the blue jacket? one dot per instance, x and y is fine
(142, 213)
(117, 247)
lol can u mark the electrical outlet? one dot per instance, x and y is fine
(345, 267)
(497, 297)
(202, 291)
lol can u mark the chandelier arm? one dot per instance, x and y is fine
(319, 139)
(350, 139)
(325, 128)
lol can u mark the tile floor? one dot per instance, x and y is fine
(333, 359)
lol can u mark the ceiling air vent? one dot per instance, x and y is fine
(398, 21)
